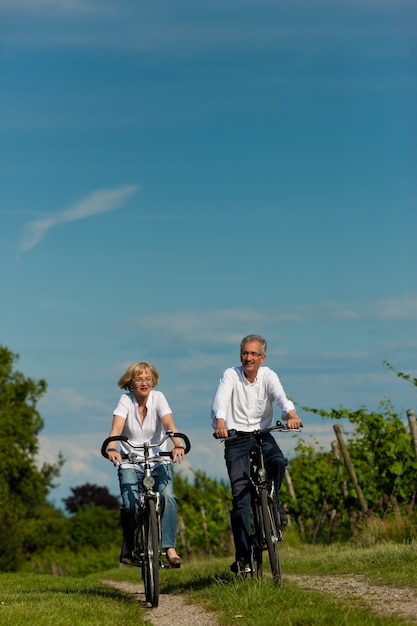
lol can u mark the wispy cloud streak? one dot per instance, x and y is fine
(95, 203)
(208, 326)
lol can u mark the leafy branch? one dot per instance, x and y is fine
(410, 379)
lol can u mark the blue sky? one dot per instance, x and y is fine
(176, 175)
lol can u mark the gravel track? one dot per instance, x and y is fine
(381, 599)
(174, 611)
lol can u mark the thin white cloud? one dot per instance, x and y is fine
(389, 309)
(48, 7)
(210, 325)
(56, 398)
(95, 203)
(171, 26)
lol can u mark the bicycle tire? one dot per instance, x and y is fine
(150, 561)
(256, 541)
(271, 531)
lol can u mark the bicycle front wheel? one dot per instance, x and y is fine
(150, 561)
(272, 533)
(256, 539)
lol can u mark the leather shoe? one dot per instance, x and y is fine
(126, 559)
(175, 561)
(126, 556)
(240, 567)
(283, 516)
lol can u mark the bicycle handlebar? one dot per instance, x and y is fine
(168, 434)
(279, 426)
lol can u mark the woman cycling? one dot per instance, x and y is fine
(142, 415)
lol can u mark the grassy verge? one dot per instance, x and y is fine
(43, 599)
(383, 564)
(68, 600)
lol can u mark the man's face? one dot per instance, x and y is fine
(251, 358)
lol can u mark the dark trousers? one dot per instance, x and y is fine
(238, 466)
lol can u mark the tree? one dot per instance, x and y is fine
(90, 495)
(315, 474)
(204, 511)
(23, 485)
(95, 527)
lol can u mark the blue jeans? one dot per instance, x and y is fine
(238, 466)
(130, 481)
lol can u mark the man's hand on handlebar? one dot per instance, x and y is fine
(221, 431)
(293, 420)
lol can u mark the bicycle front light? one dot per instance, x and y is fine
(262, 474)
(148, 482)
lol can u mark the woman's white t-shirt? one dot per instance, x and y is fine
(151, 430)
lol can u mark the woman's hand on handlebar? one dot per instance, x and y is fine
(177, 453)
(114, 456)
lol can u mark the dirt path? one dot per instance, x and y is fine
(173, 610)
(381, 599)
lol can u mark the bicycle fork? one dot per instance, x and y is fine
(149, 494)
(264, 485)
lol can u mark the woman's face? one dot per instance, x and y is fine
(142, 383)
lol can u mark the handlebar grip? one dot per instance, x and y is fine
(109, 440)
(185, 440)
(231, 434)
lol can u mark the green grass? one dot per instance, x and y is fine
(212, 585)
(388, 564)
(63, 600)
(251, 601)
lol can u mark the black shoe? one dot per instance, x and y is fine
(127, 559)
(126, 556)
(240, 567)
(283, 516)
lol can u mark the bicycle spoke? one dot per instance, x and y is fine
(150, 564)
(256, 541)
(272, 535)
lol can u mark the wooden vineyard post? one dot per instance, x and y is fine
(181, 530)
(413, 428)
(294, 497)
(336, 452)
(350, 468)
(203, 516)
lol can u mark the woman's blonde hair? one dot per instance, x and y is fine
(137, 369)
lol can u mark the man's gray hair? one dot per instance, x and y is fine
(249, 338)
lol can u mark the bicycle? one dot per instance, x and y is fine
(266, 527)
(148, 551)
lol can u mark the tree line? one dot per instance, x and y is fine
(318, 492)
